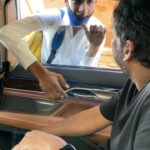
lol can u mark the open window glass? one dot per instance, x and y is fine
(103, 12)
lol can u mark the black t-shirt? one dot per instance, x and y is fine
(124, 97)
(130, 112)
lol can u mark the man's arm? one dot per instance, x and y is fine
(11, 36)
(84, 123)
(51, 83)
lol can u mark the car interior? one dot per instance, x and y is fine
(23, 105)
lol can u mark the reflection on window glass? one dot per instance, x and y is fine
(103, 12)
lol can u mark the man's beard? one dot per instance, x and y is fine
(118, 56)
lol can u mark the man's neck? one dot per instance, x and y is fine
(140, 76)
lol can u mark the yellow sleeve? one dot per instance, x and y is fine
(34, 41)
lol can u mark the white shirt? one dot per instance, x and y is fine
(12, 37)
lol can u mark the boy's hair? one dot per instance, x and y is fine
(132, 22)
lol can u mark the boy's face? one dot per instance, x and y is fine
(81, 8)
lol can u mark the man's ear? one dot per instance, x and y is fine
(128, 50)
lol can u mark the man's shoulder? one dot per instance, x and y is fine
(65, 18)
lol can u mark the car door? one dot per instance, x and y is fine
(23, 104)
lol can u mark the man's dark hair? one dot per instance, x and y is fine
(132, 22)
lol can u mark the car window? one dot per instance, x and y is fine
(103, 12)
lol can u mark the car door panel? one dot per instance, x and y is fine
(25, 106)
